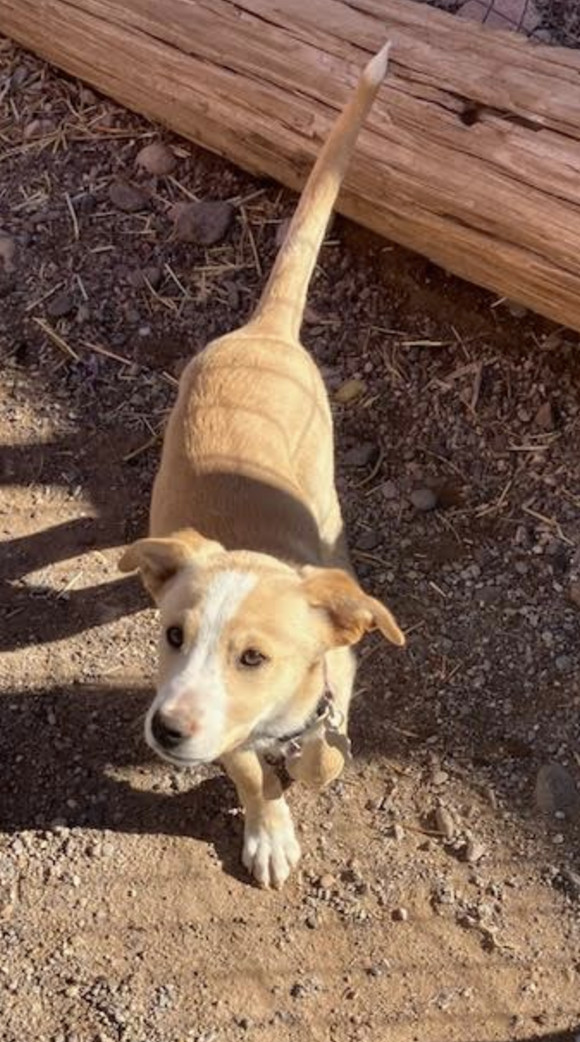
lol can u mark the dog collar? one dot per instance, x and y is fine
(326, 719)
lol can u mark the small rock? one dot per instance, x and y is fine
(563, 663)
(398, 833)
(156, 159)
(327, 881)
(516, 310)
(400, 915)
(474, 851)
(368, 540)
(298, 991)
(423, 499)
(203, 223)
(556, 791)
(440, 777)
(60, 305)
(360, 455)
(7, 252)
(127, 197)
(574, 593)
(545, 418)
(19, 76)
(233, 295)
(38, 128)
(87, 96)
(349, 391)
(141, 276)
(389, 490)
(444, 822)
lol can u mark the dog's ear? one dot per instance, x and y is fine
(159, 560)
(350, 612)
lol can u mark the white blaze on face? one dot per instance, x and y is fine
(196, 682)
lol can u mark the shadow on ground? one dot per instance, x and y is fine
(59, 749)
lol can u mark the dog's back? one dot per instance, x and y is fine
(248, 453)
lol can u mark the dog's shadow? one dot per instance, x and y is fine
(63, 753)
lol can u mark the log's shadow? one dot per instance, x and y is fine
(60, 749)
(34, 614)
(30, 613)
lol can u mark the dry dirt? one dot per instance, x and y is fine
(436, 900)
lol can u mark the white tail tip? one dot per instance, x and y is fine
(376, 70)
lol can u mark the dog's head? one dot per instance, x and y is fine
(242, 642)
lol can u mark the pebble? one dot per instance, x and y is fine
(360, 455)
(389, 490)
(398, 833)
(400, 915)
(444, 822)
(474, 851)
(60, 305)
(38, 128)
(156, 159)
(203, 223)
(19, 76)
(545, 418)
(423, 499)
(556, 791)
(141, 276)
(327, 881)
(87, 96)
(368, 540)
(516, 310)
(574, 593)
(349, 391)
(7, 252)
(440, 777)
(127, 197)
(563, 663)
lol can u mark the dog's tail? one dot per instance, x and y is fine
(284, 298)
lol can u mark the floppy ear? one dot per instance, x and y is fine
(350, 611)
(159, 560)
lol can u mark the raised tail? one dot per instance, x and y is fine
(284, 298)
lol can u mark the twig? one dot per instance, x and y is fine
(98, 350)
(73, 216)
(56, 339)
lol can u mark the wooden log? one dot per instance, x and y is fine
(471, 155)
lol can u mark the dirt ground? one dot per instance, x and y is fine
(439, 894)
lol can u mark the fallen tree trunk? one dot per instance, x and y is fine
(471, 155)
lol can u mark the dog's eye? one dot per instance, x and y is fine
(174, 636)
(251, 658)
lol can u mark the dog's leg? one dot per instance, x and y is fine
(271, 849)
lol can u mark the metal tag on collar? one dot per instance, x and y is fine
(334, 736)
(338, 740)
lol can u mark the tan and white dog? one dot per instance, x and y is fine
(246, 557)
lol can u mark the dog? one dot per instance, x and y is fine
(247, 559)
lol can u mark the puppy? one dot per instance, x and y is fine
(246, 557)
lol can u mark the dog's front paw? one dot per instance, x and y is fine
(271, 849)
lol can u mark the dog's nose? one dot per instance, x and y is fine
(166, 731)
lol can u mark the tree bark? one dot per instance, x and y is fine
(471, 154)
